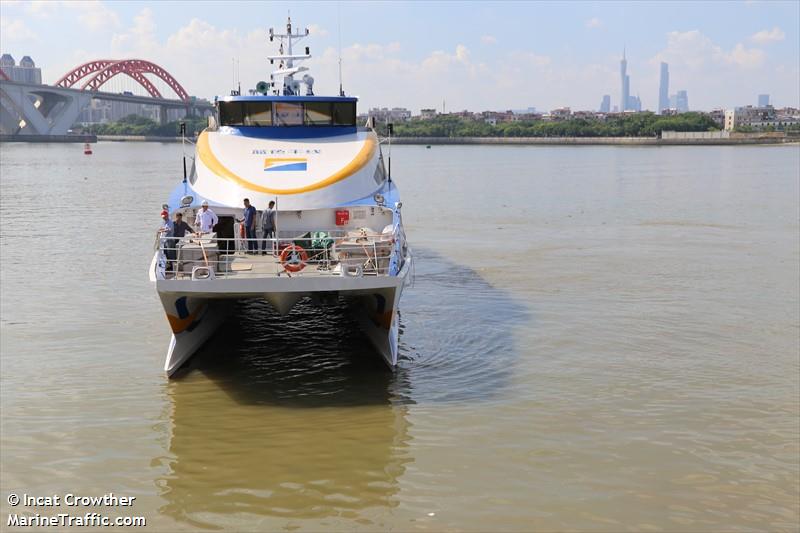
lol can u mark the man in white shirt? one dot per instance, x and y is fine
(205, 219)
(268, 227)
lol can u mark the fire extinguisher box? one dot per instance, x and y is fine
(342, 217)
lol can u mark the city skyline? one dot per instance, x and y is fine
(723, 53)
(104, 110)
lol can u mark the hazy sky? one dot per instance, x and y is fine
(473, 55)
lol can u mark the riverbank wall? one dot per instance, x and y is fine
(672, 139)
(48, 138)
(141, 138)
(668, 138)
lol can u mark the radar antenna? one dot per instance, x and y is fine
(286, 60)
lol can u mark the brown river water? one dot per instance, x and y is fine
(598, 339)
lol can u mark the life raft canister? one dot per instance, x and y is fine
(294, 265)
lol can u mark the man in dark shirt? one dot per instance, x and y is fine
(179, 229)
(249, 221)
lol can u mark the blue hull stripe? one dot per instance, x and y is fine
(290, 166)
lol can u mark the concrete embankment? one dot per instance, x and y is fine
(139, 138)
(668, 139)
(48, 138)
(593, 141)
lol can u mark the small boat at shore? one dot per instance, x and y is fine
(337, 230)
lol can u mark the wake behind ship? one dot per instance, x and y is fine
(336, 224)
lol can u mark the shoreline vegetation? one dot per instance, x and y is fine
(142, 126)
(630, 125)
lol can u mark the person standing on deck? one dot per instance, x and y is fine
(166, 224)
(164, 232)
(177, 231)
(268, 227)
(249, 221)
(206, 219)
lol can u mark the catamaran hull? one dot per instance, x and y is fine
(195, 310)
(193, 330)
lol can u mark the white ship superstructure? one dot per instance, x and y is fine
(338, 224)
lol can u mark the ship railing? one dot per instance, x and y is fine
(357, 253)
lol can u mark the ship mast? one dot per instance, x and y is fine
(287, 58)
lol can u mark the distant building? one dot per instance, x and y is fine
(103, 111)
(663, 89)
(624, 82)
(97, 112)
(679, 101)
(469, 115)
(763, 100)
(395, 114)
(605, 105)
(588, 115)
(25, 72)
(518, 117)
(562, 113)
(718, 116)
(626, 101)
(761, 118)
(493, 117)
(730, 120)
(427, 114)
(683, 101)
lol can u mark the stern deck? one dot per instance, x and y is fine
(360, 253)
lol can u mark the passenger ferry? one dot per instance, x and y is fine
(338, 228)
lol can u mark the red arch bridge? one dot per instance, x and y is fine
(35, 109)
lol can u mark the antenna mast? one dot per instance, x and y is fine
(286, 60)
(339, 24)
(233, 75)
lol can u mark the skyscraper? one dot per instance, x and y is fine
(605, 105)
(763, 100)
(663, 89)
(625, 82)
(682, 101)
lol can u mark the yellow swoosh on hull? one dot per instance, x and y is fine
(208, 158)
(180, 324)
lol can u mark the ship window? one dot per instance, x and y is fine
(344, 113)
(258, 114)
(318, 113)
(230, 114)
(288, 114)
(266, 113)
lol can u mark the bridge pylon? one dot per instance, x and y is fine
(39, 109)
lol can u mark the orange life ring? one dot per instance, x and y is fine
(295, 266)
